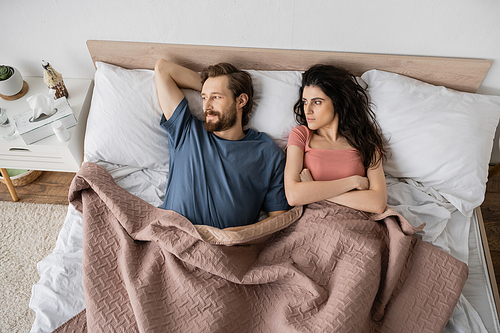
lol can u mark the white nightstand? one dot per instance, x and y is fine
(48, 154)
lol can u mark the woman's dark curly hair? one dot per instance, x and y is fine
(357, 121)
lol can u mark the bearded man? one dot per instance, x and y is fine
(220, 174)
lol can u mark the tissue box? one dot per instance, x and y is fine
(32, 131)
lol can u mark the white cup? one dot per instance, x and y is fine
(60, 131)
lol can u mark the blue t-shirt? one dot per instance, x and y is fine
(218, 182)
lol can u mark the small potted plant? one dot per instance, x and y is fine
(11, 83)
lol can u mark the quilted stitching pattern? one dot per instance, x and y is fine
(327, 268)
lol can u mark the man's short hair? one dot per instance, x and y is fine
(239, 82)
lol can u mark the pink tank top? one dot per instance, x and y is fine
(325, 164)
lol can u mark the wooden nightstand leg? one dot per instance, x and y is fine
(8, 182)
(494, 171)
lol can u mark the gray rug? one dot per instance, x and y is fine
(28, 233)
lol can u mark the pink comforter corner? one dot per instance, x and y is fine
(326, 268)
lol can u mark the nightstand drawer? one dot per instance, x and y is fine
(6, 149)
(38, 158)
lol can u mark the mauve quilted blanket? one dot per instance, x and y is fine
(317, 268)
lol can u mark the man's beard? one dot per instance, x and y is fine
(225, 121)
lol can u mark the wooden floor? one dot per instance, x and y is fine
(52, 188)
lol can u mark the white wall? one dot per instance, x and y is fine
(56, 30)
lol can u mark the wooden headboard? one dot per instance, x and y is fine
(456, 73)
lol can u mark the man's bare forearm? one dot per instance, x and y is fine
(182, 76)
(170, 78)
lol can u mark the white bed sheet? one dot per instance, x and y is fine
(58, 295)
(448, 229)
(478, 290)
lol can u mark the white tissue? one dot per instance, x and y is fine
(42, 105)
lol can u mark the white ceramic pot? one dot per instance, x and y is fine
(13, 85)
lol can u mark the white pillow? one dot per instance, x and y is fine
(439, 137)
(123, 125)
(275, 93)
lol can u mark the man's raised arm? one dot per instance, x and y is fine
(170, 78)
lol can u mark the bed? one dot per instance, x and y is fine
(440, 141)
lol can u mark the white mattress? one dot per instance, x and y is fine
(58, 295)
(478, 290)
